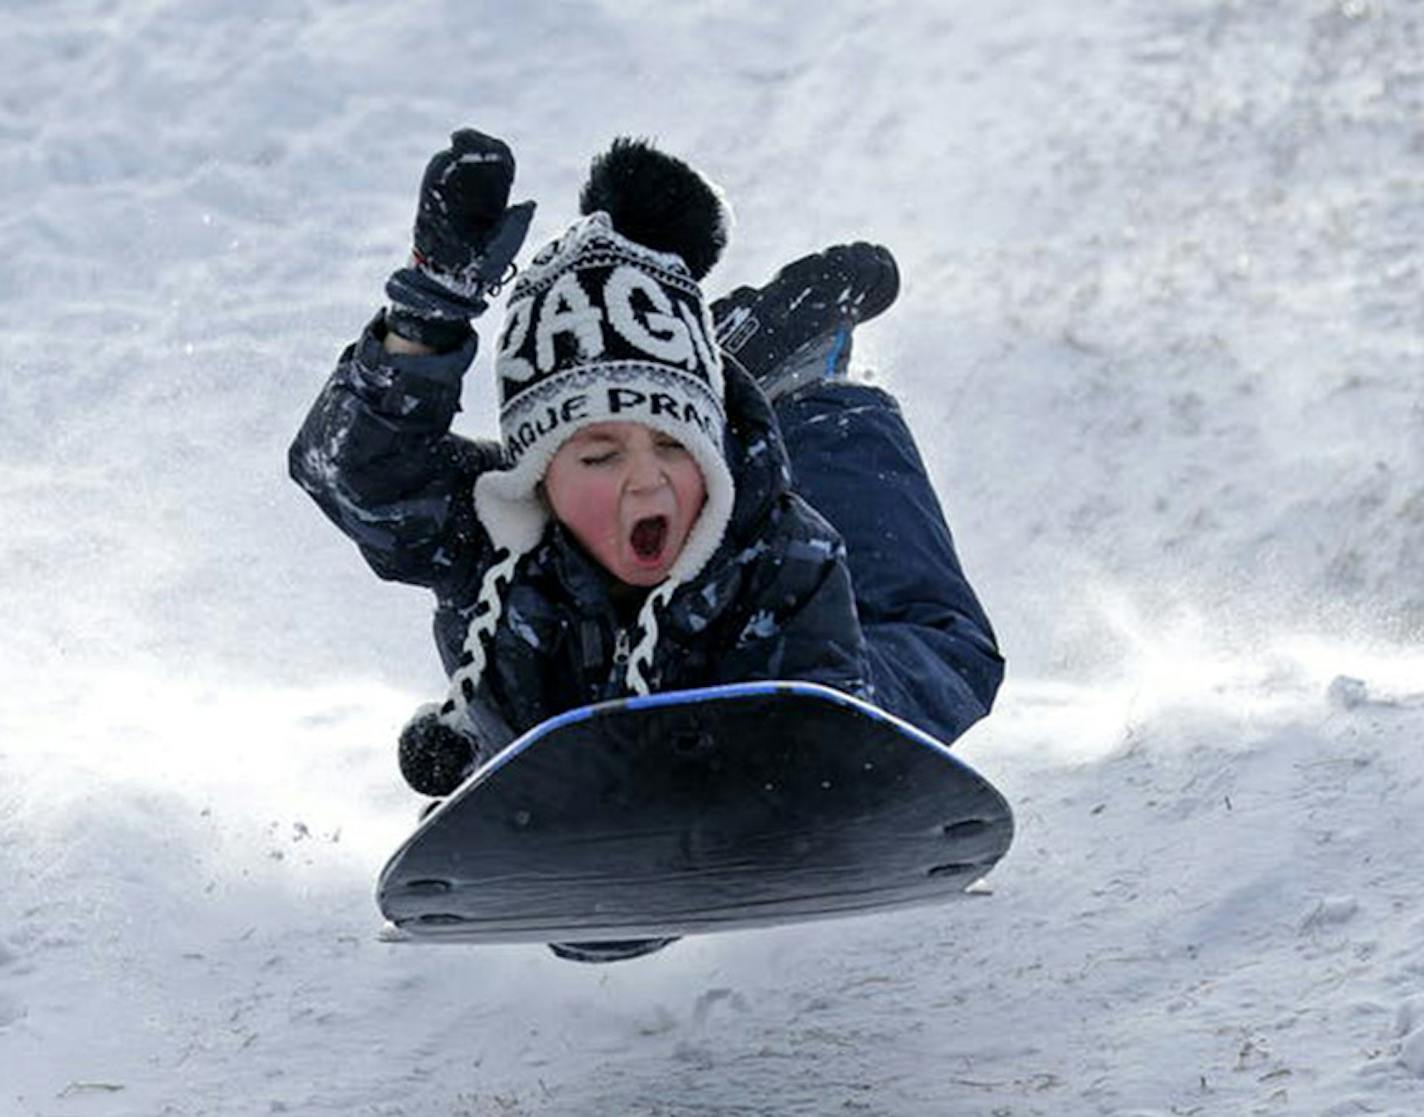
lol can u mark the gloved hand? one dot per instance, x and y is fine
(435, 759)
(466, 237)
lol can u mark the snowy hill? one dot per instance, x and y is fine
(1161, 338)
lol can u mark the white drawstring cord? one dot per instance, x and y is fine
(466, 678)
(642, 656)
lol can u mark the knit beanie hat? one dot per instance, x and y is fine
(601, 328)
(608, 323)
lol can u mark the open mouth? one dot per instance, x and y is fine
(649, 537)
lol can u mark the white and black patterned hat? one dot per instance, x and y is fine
(601, 328)
(607, 323)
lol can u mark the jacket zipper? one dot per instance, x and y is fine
(622, 647)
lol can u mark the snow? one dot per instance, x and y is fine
(1160, 335)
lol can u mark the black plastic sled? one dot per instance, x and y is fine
(694, 811)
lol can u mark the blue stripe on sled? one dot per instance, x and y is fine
(712, 694)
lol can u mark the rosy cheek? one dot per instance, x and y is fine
(694, 493)
(594, 512)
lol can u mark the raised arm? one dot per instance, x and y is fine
(375, 451)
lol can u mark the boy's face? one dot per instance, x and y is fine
(630, 494)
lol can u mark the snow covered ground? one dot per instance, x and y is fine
(1161, 336)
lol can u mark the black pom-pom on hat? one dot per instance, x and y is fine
(434, 758)
(657, 201)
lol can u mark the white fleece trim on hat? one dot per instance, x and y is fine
(507, 503)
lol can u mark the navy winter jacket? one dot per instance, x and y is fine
(774, 601)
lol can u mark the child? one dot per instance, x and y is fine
(670, 507)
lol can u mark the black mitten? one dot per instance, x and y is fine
(434, 758)
(466, 237)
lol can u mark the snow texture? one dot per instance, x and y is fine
(1160, 336)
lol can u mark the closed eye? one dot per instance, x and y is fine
(599, 459)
